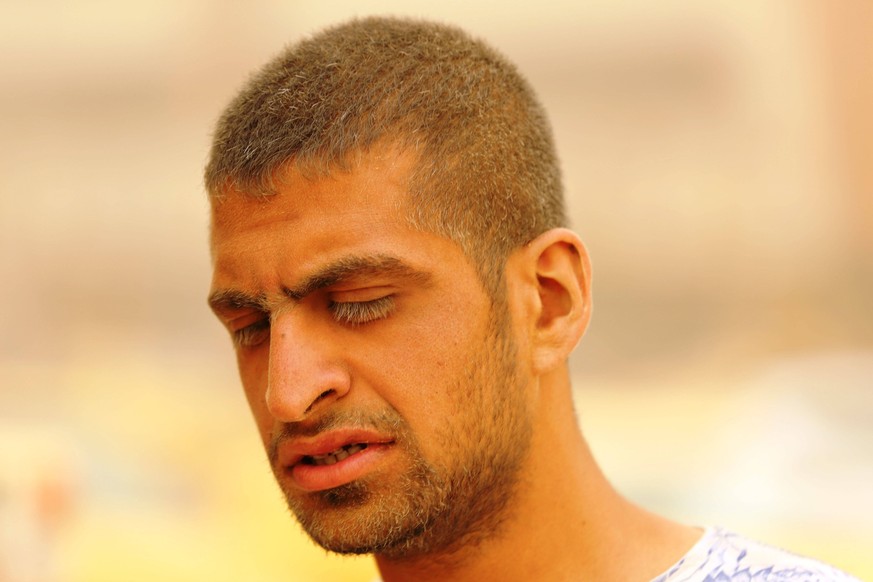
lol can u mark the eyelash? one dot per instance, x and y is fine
(351, 313)
(252, 335)
(355, 313)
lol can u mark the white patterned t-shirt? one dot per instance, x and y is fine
(722, 556)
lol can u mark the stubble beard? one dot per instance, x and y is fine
(431, 510)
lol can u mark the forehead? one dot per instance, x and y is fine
(262, 243)
(371, 190)
(378, 178)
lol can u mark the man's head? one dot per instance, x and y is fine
(384, 199)
(486, 174)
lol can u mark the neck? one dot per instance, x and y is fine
(566, 521)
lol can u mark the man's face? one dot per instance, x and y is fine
(382, 377)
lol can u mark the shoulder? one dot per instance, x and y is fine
(723, 556)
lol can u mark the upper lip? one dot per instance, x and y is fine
(292, 450)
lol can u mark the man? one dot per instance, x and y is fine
(392, 262)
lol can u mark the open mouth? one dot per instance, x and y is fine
(334, 457)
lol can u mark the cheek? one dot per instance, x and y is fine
(420, 369)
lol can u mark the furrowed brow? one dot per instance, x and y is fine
(231, 300)
(226, 300)
(352, 267)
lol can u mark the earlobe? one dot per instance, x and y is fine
(563, 279)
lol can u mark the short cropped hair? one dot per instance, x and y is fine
(486, 174)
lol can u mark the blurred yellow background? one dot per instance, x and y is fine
(719, 164)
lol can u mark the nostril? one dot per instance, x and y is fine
(320, 397)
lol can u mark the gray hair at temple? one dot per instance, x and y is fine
(486, 174)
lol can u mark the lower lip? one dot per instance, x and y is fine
(321, 477)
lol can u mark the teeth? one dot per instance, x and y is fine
(336, 456)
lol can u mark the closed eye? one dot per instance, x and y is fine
(360, 312)
(252, 335)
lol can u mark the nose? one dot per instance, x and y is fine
(305, 372)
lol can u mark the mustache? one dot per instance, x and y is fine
(387, 422)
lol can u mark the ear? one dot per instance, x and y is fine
(558, 288)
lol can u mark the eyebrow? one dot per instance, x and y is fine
(332, 274)
(230, 299)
